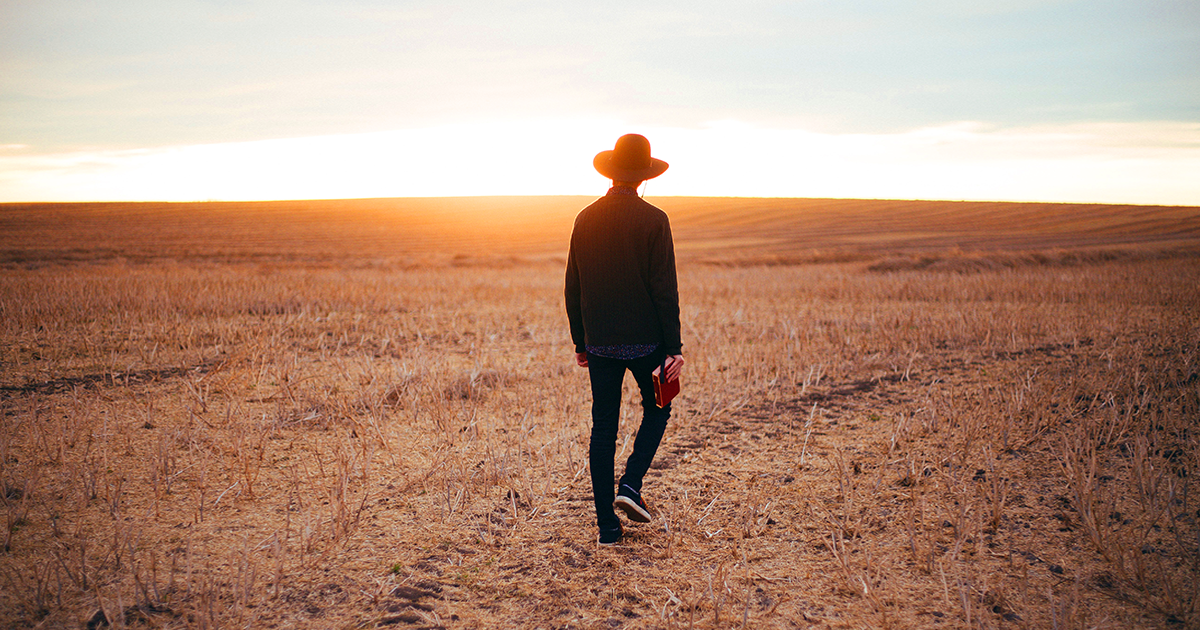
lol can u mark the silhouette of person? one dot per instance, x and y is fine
(623, 305)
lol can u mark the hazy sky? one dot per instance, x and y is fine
(168, 99)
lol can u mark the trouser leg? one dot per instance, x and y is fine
(654, 422)
(606, 377)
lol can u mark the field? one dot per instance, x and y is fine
(359, 414)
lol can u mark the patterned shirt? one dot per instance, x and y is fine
(623, 351)
(623, 190)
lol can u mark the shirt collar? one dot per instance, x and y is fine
(623, 190)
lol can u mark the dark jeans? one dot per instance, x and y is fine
(607, 376)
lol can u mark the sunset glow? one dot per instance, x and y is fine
(1054, 101)
(1120, 163)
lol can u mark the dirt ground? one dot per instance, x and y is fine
(878, 428)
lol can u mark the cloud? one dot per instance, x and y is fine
(136, 72)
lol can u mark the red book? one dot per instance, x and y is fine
(664, 390)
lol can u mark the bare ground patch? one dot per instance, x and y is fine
(192, 443)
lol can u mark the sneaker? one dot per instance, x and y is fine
(611, 536)
(630, 501)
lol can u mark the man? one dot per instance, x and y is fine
(623, 306)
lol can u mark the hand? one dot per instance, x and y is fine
(581, 359)
(674, 367)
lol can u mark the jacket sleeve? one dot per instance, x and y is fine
(574, 297)
(664, 288)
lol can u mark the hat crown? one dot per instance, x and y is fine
(629, 160)
(632, 152)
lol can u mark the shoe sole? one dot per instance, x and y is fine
(632, 510)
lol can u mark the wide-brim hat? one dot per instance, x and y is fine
(629, 161)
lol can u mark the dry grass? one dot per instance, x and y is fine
(355, 417)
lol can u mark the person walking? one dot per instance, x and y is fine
(623, 306)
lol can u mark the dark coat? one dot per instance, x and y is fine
(621, 286)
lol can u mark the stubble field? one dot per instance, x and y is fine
(361, 414)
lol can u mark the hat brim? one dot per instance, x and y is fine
(604, 165)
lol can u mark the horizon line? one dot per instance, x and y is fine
(592, 196)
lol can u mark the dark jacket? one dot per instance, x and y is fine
(621, 286)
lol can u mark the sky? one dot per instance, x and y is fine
(1074, 101)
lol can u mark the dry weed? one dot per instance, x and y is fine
(204, 441)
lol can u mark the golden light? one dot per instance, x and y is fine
(1116, 163)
